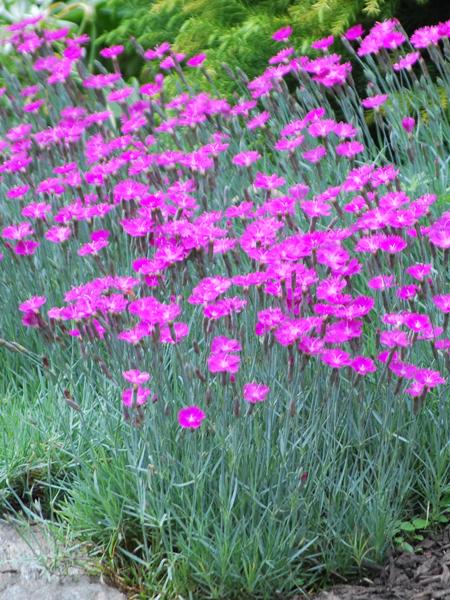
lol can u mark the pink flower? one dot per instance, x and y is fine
(157, 52)
(268, 182)
(374, 101)
(349, 149)
(419, 271)
(429, 378)
(136, 377)
(354, 32)
(92, 247)
(394, 339)
(112, 51)
(283, 34)
(406, 62)
(408, 124)
(18, 192)
(120, 95)
(224, 344)
(363, 365)
(26, 247)
(323, 43)
(255, 392)
(315, 154)
(245, 159)
(381, 282)
(426, 36)
(442, 302)
(223, 362)
(417, 322)
(258, 121)
(407, 292)
(57, 235)
(128, 396)
(415, 389)
(17, 232)
(191, 417)
(36, 210)
(440, 237)
(32, 304)
(196, 61)
(172, 334)
(392, 244)
(336, 358)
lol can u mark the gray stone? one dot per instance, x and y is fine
(30, 570)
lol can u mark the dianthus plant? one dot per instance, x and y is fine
(217, 254)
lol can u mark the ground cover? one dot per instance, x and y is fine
(230, 375)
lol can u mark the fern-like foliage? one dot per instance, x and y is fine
(237, 32)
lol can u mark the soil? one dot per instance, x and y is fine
(420, 575)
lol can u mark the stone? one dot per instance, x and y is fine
(29, 571)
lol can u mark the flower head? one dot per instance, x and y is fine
(191, 417)
(255, 392)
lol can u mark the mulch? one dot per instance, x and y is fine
(420, 575)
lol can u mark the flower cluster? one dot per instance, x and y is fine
(274, 231)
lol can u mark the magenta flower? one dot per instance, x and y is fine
(245, 159)
(258, 121)
(26, 247)
(196, 61)
(323, 43)
(394, 339)
(363, 365)
(283, 34)
(268, 182)
(442, 302)
(57, 235)
(33, 304)
(407, 292)
(139, 396)
(374, 101)
(17, 232)
(18, 191)
(408, 124)
(349, 149)
(311, 345)
(406, 62)
(392, 244)
(191, 417)
(417, 322)
(426, 36)
(136, 377)
(354, 33)
(415, 390)
(429, 378)
(335, 358)
(223, 362)
(381, 282)
(157, 52)
(440, 237)
(92, 248)
(255, 392)
(112, 51)
(315, 155)
(322, 128)
(172, 334)
(36, 210)
(419, 271)
(120, 95)
(223, 344)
